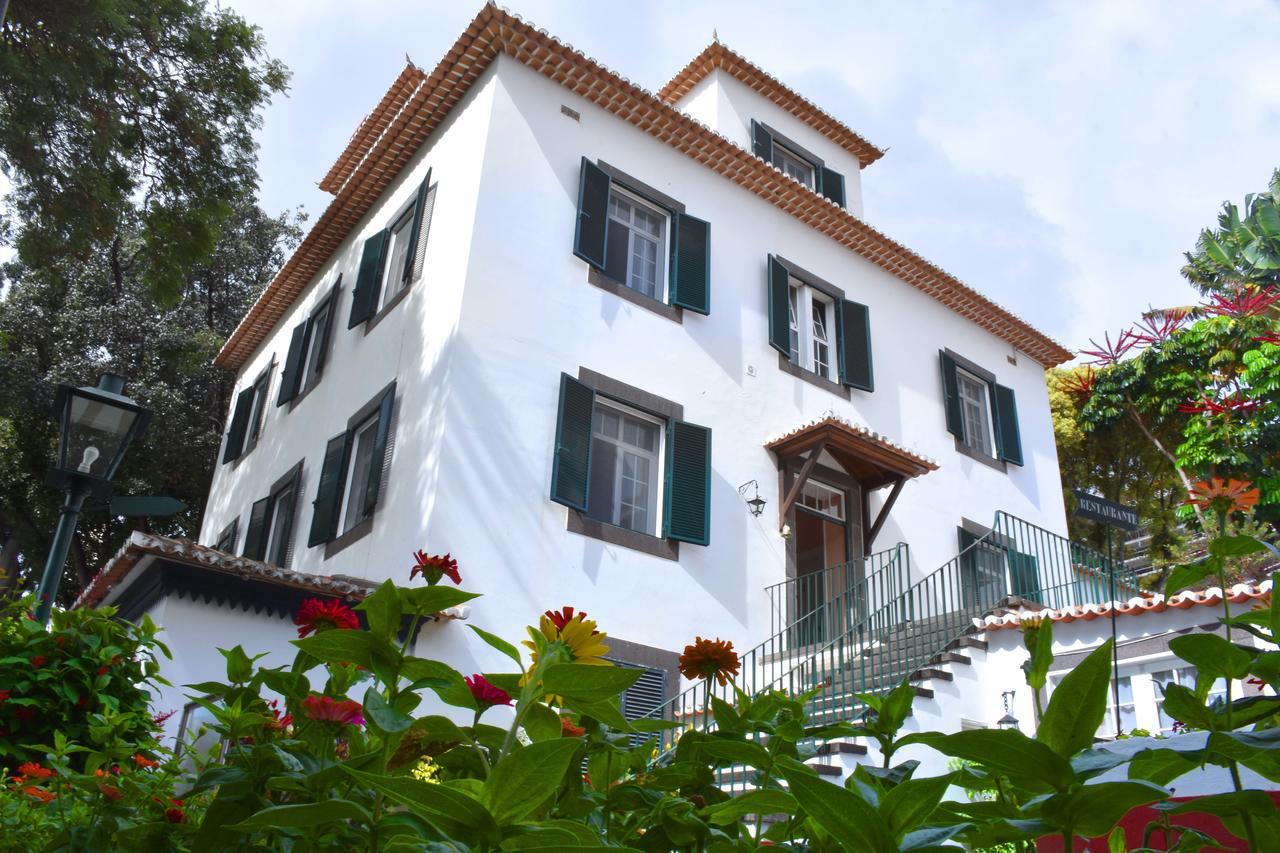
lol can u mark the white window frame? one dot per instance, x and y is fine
(659, 474)
(794, 166)
(818, 491)
(664, 239)
(313, 342)
(393, 281)
(804, 297)
(347, 518)
(983, 436)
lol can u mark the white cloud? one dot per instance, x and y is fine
(1058, 157)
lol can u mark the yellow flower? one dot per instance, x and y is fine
(426, 770)
(578, 634)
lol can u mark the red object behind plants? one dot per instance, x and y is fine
(434, 566)
(485, 693)
(325, 710)
(315, 615)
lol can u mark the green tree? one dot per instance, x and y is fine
(128, 124)
(70, 321)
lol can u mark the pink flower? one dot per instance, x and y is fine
(322, 709)
(486, 694)
(1109, 353)
(434, 566)
(316, 615)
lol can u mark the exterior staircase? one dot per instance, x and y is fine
(864, 627)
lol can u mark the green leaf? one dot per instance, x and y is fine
(907, 805)
(382, 715)
(737, 752)
(446, 681)
(343, 646)
(760, 802)
(1235, 546)
(933, 838)
(1093, 810)
(1190, 574)
(1039, 643)
(605, 711)
(1212, 654)
(433, 599)
(382, 609)
(1249, 802)
(587, 683)
(542, 723)
(528, 777)
(647, 725)
(1183, 705)
(306, 814)
(844, 815)
(1028, 763)
(1116, 842)
(1078, 705)
(1162, 766)
(499, 644)
(449, 810)
(239, 665)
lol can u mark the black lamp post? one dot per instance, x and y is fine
(1008, 721)
(98, 425)
(756, 503)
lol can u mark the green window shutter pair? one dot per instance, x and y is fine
(853, 328)
(690, 242)
(761, 141)
(292, 376)
(830, 184)
(827, 182)
(333, 474)
(416, 236)
(369, 278)
(239, 425)
(255, 539)
(1004, 411)
(687, 511)
(325, 330)
(299, 345)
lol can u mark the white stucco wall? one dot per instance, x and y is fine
(504, 307)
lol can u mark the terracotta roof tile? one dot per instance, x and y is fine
(717, 55)
(494, 31)
(1243, 593)
(916, 460)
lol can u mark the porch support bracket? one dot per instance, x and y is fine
(883, 515)
(810, 463)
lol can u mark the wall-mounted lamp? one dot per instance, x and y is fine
(1008, 721)
(756, 502)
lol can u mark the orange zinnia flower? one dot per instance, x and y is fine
(39, 793)
(568, 729)
(1229, 496)
(707, 658)
(144, 762)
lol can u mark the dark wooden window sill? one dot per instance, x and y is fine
(672, 312)
(387, 308)
(360, 530)
(579, 523)
(990, 461)
(786, 365)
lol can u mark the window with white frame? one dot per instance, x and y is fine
(975, 406)
(359, 470)
(400, 235)
(317, 343)
(637, 244)
(1128, 709)
(812, 321)
(281, 524)
(823, 499)
(1186, 677)
(793, 165)
(626, 477)
(258, 413)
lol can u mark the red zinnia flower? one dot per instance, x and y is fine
(707, 658)
(278, 722)
(486, 694)
(434, 566)
(39, 793)
(111, 792)
(4, 695)
(174, 813)
(564, 616)
(316, 615)
(102, 670)
(325, 710)
(31, 770)
(568, 729)
(38, 661)
(144, 762)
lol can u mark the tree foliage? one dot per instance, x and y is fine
(129, 121)
(70, 321)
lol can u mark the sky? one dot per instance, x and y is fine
(1058, 157)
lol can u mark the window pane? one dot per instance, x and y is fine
(795, 326)
(359, 473)
(821, 343)
(316, 344)
(604, 473)
(281, 516)
(624, 459)
(394, 277)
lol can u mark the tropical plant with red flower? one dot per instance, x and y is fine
(710, 658)
(175, 814)
(144, 762)
(39, 793)
(434, 566)
(568, 729)
(316, 615)
(1242, 302)
(323, 709)
(1159, 325)
(1108, 353)
(111, 792)
(486, 694)
(1235, 403)
(38, 661)
(4, 695)
(1081, 381)
(31, 770)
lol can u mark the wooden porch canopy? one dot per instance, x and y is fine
(868, 457)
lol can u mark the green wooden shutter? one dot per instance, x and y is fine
(368, 279)
(854, 337)
(324, 509)
(571, 466)
(292, 376)
(831, 184)
(779, 307)
(286, 532)
(592, 231)
(255, 539)
(1008, 438)
(687, 514)
(380, 441)
(239, 425)
(761, 141)
(691, 267)
(951, 396)
(419, 206)
(326, 331)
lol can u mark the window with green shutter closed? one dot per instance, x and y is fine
(1008, 436)
(571, 466)
(255, 539)
(328, 502)
(853, 332)
(368, 279)
(778, 283)
(691, 268)
(239, 425)
(291, 379)
(592, 231)
(826, 181)
(688, 503)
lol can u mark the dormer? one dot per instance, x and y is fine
(749, 106)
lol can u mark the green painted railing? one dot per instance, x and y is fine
(877, 631)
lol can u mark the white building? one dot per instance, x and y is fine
(564, 328)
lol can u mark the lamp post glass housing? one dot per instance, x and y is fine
(98, 424)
